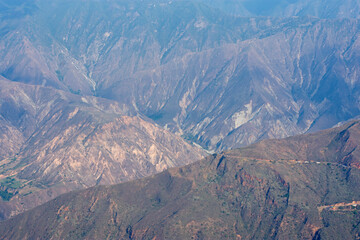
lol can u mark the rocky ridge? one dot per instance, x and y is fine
(291, 191)
(61, 142)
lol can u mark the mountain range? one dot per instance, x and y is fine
(266, 76)
(53, 142)
(329, 9)
(303, 187)
(103, 92)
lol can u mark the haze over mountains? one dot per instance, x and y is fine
(289, 8)
(304, 187)
(265, 77)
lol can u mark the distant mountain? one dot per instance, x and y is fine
(304, 187)
(53, 142)
(288, 8)
(215, 79)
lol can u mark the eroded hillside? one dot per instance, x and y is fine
(292, 192)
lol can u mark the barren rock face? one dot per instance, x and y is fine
(122, 149)
(64, 142)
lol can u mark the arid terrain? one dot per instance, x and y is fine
(179, 119)
(292, 191)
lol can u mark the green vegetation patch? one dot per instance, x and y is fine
(189, 137)
(156, 116)
(10, 182)
(5, 195)
(59, 75)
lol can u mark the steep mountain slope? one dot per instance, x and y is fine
(54, 142)
(265, 77)
(295, 188)
(339, 145)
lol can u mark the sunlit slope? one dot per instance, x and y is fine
(53, 142)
